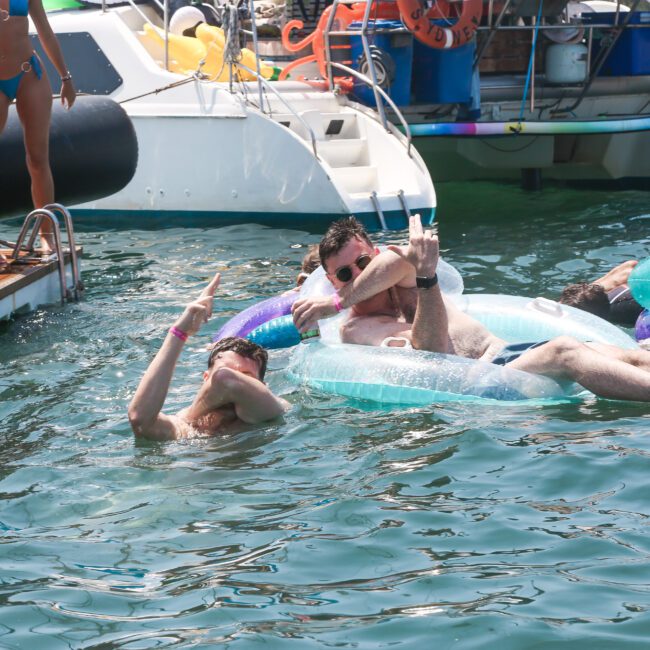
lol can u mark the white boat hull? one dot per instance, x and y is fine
(212, 155)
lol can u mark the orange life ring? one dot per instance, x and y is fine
(420, 21)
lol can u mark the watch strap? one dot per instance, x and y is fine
(422, 282)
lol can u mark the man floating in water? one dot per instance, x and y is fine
(608, 297)
(380, 288)
(233, 396)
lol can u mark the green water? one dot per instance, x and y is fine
(453, 526)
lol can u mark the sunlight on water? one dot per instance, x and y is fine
(345, 525)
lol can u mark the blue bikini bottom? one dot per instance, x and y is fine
(10, 86)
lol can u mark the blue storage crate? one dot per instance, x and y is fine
(631, 54)
(392, 46)
(442, 76)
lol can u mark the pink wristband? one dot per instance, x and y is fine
(179, 334)
(337, 302)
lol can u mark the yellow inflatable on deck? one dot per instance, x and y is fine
(186, 53)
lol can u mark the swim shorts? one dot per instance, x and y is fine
(512, 352)
(623, 308)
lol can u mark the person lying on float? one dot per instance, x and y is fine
(609, 296)
(232, 398)
(439, 326)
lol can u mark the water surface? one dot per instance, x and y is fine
(345, 525)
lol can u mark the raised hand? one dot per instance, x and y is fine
(423, 250)
(199, 311)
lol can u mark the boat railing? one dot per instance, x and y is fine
(371, 79)
(382, 93)
(266, 84)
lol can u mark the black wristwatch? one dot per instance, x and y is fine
(426, 283)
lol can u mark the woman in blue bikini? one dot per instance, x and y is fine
(22, 80)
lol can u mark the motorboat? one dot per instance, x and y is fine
(215, 152)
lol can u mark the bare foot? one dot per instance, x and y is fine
(617, 276)
(47, 242)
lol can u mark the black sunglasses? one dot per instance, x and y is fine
(344, 274)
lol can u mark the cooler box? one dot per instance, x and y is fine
(391, 47)
(631, 54)
(442, 76)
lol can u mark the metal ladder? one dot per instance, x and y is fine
(380, 214)
(31, 227)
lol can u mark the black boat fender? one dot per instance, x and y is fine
(93, 154)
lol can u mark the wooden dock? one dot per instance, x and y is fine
(32, 280)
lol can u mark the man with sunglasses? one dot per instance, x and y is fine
(380, 287)
(439, 326)
(233, 396)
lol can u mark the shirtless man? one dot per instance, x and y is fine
(365, 279)
(233, 396)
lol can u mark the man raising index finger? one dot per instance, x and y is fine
(232, 397)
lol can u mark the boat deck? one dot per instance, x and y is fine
(31, 280)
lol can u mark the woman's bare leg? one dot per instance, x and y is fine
(4, 112)
(34, 105)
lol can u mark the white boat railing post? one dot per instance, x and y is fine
(257, 53)
(166, 26)
(371, 63)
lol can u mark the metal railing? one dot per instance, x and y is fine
(383, 94)
(268, 85)
(371, 80)
(32, 225)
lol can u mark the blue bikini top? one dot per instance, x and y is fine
(18, 7)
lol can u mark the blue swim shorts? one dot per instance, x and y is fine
(512, 352)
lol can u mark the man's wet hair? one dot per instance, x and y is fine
(588, 297)
(244, 348)
(338, 235)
